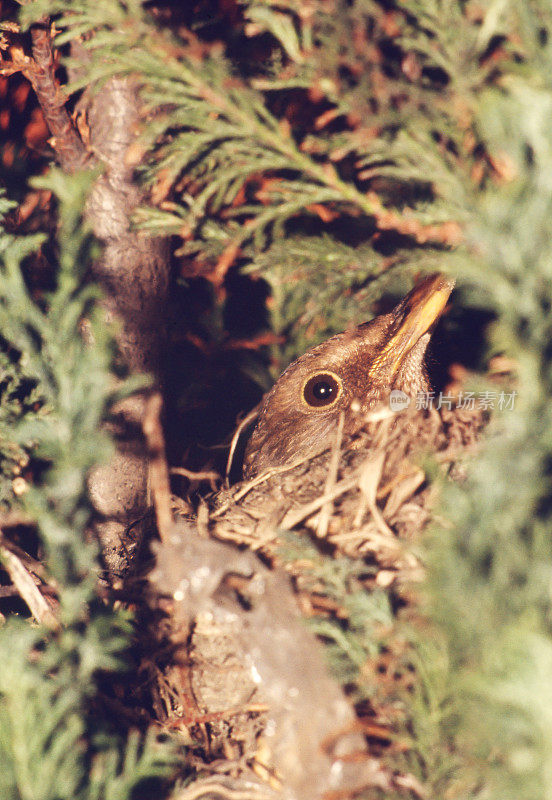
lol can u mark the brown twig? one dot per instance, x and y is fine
(226, 789)
(27, 589)
(238, 432)
(296, 515)
(256, 481)
(331, 478)
(216, 716)
(35, 567)
(212, 477)
(66, 142)
(158, 469)
(13, 518)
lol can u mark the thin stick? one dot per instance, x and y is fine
(235, 438)
(257, 480)
(212, 477)
(369, 478)
(227, 789)
(296, 515)
(10, 519)
(28, 590)
(158, 469)
(331, 478)
(262, 478)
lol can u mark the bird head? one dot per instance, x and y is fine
(356, 369)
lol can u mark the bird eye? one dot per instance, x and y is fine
(322, 390)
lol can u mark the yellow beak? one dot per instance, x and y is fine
(414, 317)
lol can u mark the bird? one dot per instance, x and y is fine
(361, 501)
(346, 376)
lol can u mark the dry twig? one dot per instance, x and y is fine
(326, 511)
(27, 589)
(221, 788)
(238, 432)
(158, 469)
(297, 515)
(212, 477)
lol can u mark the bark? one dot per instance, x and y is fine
(70, 150)
(134, 273)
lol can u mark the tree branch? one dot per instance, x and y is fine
(27, 589)
(68, 145)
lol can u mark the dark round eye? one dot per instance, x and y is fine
(322, 390)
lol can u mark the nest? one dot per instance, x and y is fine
(363, 495)
(366, 498)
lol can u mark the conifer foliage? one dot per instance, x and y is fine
(50, 745)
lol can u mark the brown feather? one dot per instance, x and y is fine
(358, 369)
